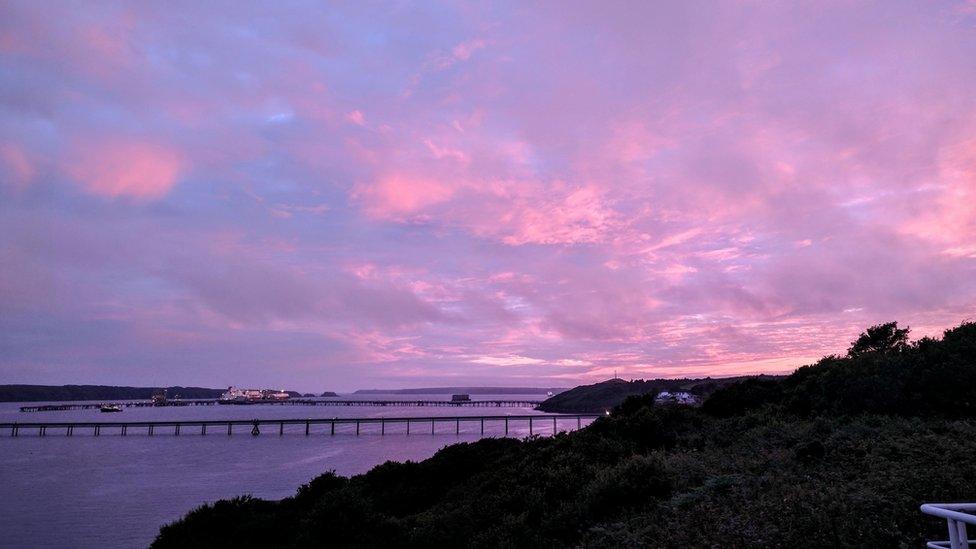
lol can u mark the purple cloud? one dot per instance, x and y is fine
(342, 196)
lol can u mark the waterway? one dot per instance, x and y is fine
(113, 491)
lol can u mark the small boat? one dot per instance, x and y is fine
(111, 408)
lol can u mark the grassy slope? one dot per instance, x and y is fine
(837, 455)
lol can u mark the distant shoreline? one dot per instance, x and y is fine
(68, 393)
(61, 393)
(464, 390)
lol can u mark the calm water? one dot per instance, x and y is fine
(114, 491)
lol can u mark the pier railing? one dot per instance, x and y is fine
(957, 516)
(176, 427)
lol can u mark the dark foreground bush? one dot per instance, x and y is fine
(812, 461)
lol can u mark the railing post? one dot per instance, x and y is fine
(530, 426)
(482, 426)
(281, 428)
(382, 427)
(123, 429)
(408, 426)
(457, 426)
(151, 430)
(176, 430)
(432, 420)
(229, 426)
(357, 427)
(506, 426)
(203, 429)
(554, 425)
(332, 429)
(954, 541)
(579, 423)
(307, 427)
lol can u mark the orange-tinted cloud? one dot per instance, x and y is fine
(119, 168)
(400, 196)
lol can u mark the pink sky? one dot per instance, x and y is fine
(340, 196)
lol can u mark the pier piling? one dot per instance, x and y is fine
(482, 422)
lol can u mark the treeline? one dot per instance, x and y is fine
(838, 454)
(39, 393)
(882, 373)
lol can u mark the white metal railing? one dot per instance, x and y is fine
(957, 515)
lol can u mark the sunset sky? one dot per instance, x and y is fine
(337, 196)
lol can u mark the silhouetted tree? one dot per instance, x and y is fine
(882, 338)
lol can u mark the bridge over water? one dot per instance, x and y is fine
(306, 425)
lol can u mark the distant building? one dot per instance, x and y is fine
(676, 397)
(159, 397)
(271, 394)
(235, 395)
(461, 398)
(232, 394)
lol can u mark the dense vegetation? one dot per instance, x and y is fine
(609, 394)
(838, 454)
(43, 393)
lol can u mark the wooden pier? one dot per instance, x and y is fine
(537, 424)
(293, 402)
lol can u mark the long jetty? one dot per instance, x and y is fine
(291, 402)
(308, 425)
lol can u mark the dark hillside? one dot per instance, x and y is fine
(605, 395)
(838, 454)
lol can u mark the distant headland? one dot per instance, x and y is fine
(37, 393)
(606, 395)
(60, 393)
